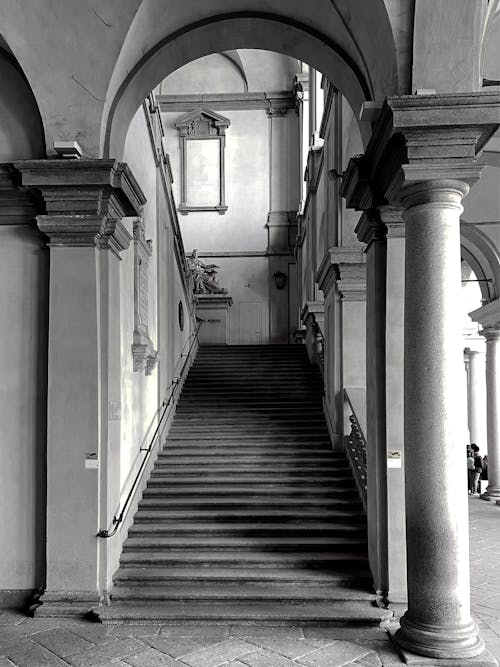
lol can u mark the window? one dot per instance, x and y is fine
(202, 135)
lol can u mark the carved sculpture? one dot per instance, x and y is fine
(204, 276)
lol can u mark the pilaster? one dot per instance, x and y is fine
(84, 202)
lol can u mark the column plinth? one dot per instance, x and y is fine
(438, 622)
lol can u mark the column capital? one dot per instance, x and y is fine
(344, 267)
(370, 227)
(488, 316)
(84, 200)
(421, 138)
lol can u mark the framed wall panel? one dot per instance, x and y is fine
(202, 136)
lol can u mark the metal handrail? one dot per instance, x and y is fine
(117, 520)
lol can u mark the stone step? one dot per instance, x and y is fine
(252, 468)
(333, 612)
(223, 503)
(254, 481)
(251, 592)
(241, 477)
(340, 571)
(146, 513)
(353, 535)
(238, 494)
(240, 559)
(243, 451)
(246, 529)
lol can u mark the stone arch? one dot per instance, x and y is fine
(333, 53)
(21, 130)
(484, 259)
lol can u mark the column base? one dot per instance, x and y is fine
(60, 604)
(485, 659)
(445, 643)
(491, 494)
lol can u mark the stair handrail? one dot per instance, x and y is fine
(165, 405)
(356, 449)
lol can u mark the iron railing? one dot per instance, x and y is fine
(356, 451)
(164, 409)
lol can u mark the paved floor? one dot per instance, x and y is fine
(27, 642)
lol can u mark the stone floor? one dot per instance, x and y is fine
(28, 642)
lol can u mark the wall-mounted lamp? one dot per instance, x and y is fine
(280, 280)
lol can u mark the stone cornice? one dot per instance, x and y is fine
(421, 138)
(85, 200)
(276, 102)
(370, 228)
(488, 315)
(17, 205)
(83, 231)
(314, 168)
(344, 267)
(392, 217)
(84, 187)
(312, 309)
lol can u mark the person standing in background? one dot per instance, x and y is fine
(478, 467)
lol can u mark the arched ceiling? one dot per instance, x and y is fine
(90, 67)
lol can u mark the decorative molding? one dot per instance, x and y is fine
(421, 138)
(488, 316)
(392, 217)
(271, 252)
(17, 205)
(344, 267)
(84, 187)
(157, 135)
(314, 168)
(84, 200)
(370, 228)
(228, 101)
(213, 301)
(206, 125)
(144, 355)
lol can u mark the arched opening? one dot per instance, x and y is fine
(333, 53)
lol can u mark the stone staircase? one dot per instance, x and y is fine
(248, 516)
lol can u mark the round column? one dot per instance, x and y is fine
(438, 622)
(477, 400)
(492, 335)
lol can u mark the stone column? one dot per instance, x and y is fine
(438, 622)
(84, 201)
(423, 154)
(489, 317)
(476, 399)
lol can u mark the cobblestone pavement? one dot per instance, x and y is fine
(27, 642)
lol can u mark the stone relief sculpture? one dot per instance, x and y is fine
(204, 276)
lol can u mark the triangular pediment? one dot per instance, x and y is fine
(202, 121)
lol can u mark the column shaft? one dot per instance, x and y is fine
(438, 622)
(493, 411)
(476, 400)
